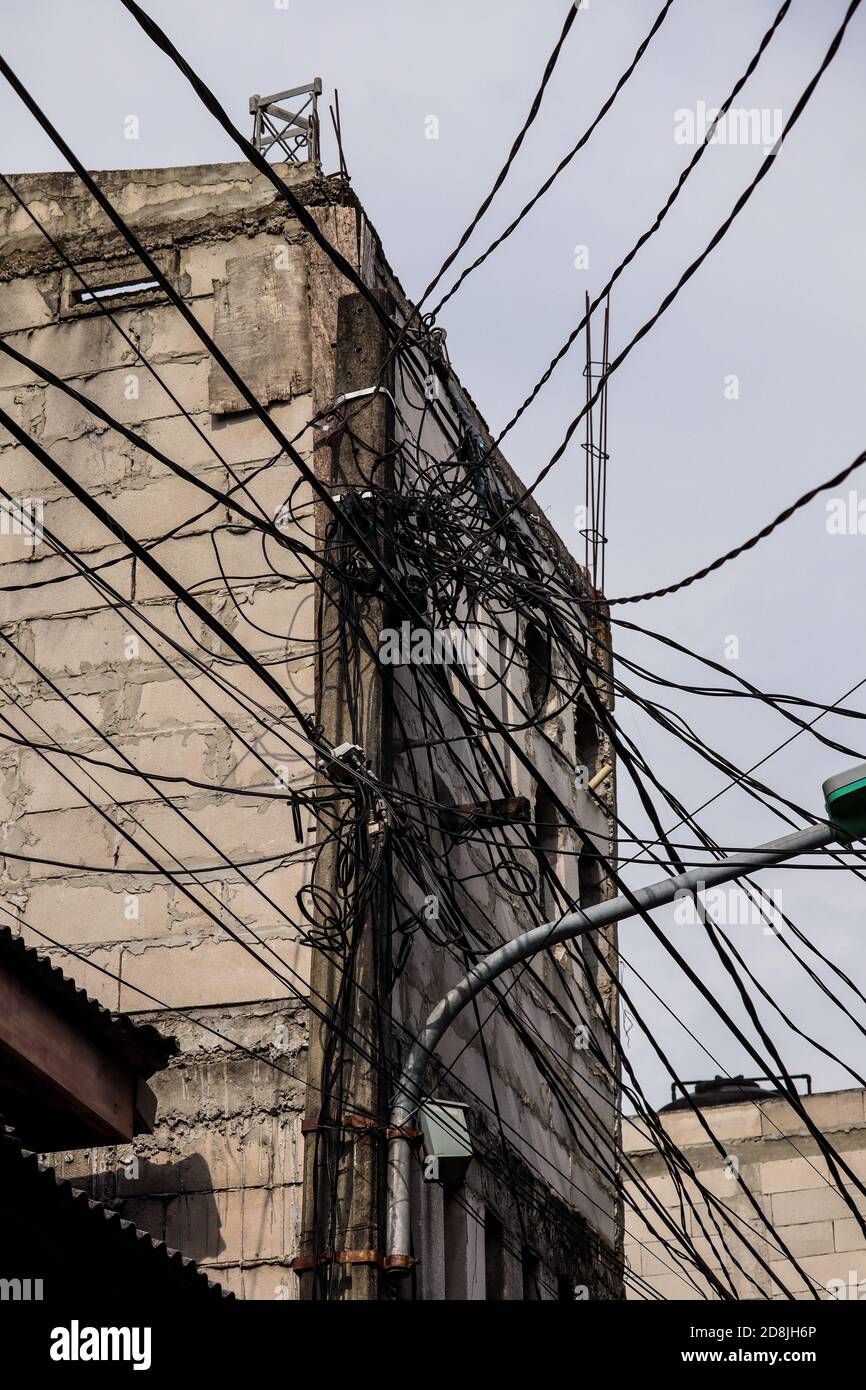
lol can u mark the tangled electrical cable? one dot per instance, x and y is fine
(480, 822)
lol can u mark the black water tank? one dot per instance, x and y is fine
(723, 1090)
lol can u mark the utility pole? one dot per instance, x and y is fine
(346, 1111)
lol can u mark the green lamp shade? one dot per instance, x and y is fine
(845, 798)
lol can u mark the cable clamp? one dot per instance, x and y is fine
(301, 1264)
(330, 418)
(359, 1121)
(395, 1263)
(380, 820)
(345, 760)
(354, 1121)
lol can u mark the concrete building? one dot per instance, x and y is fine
(96, 644)
(768, 1144)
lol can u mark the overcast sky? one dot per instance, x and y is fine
(779, 306)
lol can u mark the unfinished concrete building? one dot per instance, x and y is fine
(768, 1145)
(177, 873)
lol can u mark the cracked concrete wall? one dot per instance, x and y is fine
(554, 1195)
(220, 1177)
(769, 1146)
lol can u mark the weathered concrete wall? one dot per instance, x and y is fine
(547, 1157)
(781, 1164)
(556, 1200)
(220, 1176)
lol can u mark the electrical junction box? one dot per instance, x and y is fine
(447, 1145)
(845, 798)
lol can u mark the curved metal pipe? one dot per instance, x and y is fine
(409, 1093)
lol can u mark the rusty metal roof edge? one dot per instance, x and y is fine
(142, 1045)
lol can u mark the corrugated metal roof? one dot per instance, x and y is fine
(142, 1047)
(111, 1238)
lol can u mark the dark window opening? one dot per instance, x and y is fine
(531, 1266)
(564, 1289)
(115, 291)
(590, 878)
(537, 648)
(494, 1257)
(456, 1247)
(585, 738)
(544, 834)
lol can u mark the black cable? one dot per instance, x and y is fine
(687, 274)
(570, 17)
(548, 183)
(741, 549)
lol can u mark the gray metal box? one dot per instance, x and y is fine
(447, 1145)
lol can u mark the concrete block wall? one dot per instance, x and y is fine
(220, 1177)
(784, 1169)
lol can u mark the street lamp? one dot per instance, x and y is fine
(845, 800)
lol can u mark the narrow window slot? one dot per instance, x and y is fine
(115, 291)
(494, 1258)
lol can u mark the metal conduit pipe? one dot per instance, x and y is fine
(410, 1087)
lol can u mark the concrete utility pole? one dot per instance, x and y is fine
(344, 1160)
(846, 801)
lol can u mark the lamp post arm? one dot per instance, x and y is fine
(409, 1091)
